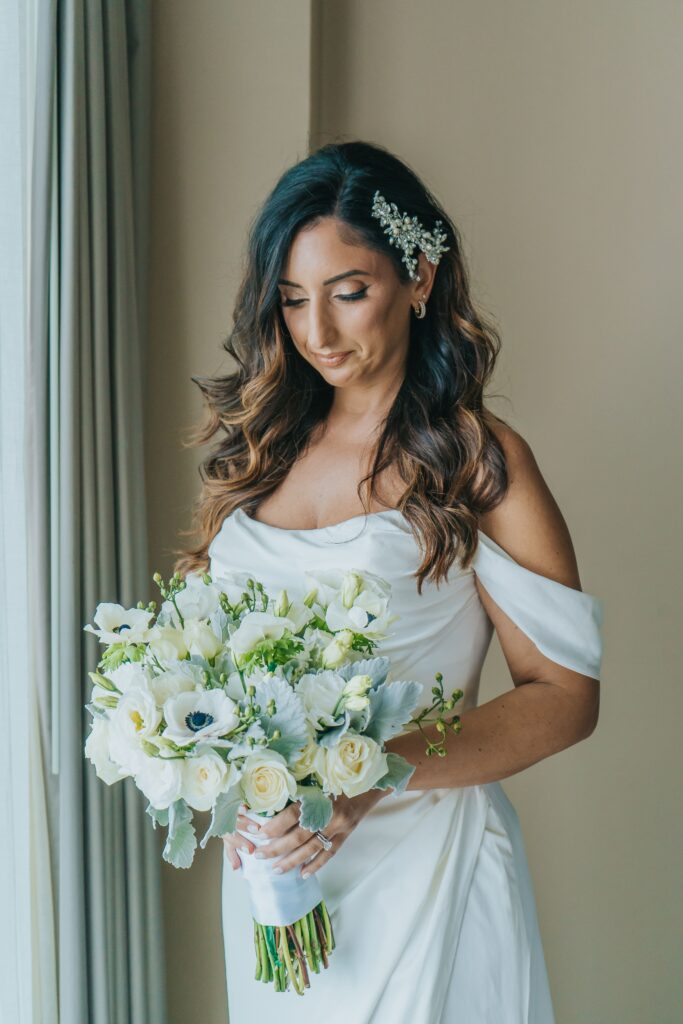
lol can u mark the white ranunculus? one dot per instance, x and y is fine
(200, 639)
(198, 600)
(137, 713)
(131, 673)
(267, 783)
(354, 765)
(97, 751)
(167, 643)
(311, 760)
(256, 627)
(204, 777)
(199, 715)
(136, 718)
(170, 684)
(161, 780)
(117, 624)
(320, 693)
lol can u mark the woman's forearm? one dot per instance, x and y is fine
(498, 738)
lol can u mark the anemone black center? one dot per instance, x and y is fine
(197, 720)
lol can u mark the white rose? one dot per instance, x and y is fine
(354, 765)
(320, 693)
(204, 777)
(161, 780)
(97, 751)
(120, 625)
(267, 783)
(256, 627)
(200, 639)
(311, 760)
(199, 715)
(167, 643)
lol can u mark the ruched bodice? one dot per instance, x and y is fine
(439, 877)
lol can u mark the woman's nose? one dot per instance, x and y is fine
(321, 329)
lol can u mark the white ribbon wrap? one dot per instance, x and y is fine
(276, 899)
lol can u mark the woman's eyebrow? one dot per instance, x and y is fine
(330, 280)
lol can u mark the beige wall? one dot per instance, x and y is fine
(551, 132)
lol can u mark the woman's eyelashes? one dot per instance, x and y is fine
(351, 297)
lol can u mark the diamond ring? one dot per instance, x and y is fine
(325, 840)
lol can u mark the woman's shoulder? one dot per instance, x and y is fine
(528, 522)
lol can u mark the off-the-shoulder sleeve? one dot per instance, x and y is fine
(565, 624)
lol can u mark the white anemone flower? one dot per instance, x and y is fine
(118, 624)
(199, 715)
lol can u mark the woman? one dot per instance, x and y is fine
(363, 362)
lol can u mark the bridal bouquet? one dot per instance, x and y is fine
(232, 696)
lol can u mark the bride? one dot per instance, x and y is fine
(354, 433)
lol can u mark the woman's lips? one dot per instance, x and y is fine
(334, 360)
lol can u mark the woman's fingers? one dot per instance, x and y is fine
(301, 853)
(233, 842)
(281, 822)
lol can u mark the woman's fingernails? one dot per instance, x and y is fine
(253, 828)
(244, 849)
(278, 871)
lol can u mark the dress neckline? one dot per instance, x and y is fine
(239, 511)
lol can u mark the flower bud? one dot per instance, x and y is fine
(281, 604)
(356, 702)
(358, 685)
(351, 587)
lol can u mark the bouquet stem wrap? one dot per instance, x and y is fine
(276, 899)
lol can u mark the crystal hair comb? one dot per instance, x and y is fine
(407, 232)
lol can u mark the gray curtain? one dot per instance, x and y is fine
(89, 249)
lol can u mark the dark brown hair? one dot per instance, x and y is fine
(437, 433)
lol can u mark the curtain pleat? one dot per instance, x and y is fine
(90, 244)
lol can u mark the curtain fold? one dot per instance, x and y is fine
(87, 543)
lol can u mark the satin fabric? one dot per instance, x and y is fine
(430, 896)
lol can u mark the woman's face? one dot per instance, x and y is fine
(346, 310)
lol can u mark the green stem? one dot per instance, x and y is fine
(307, 939)
(329, 937)
(284, 949)
(266, 974)
(257, 950)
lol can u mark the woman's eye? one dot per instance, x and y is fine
(351, 297)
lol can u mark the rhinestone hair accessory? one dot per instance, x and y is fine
(407, 232)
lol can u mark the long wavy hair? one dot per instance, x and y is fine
(437, 433)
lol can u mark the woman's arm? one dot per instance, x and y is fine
(550, 707)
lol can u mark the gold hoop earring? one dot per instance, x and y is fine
(421, 310)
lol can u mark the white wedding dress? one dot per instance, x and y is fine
(430, 896)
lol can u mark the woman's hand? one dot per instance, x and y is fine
(295, 845)
(233, 841)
